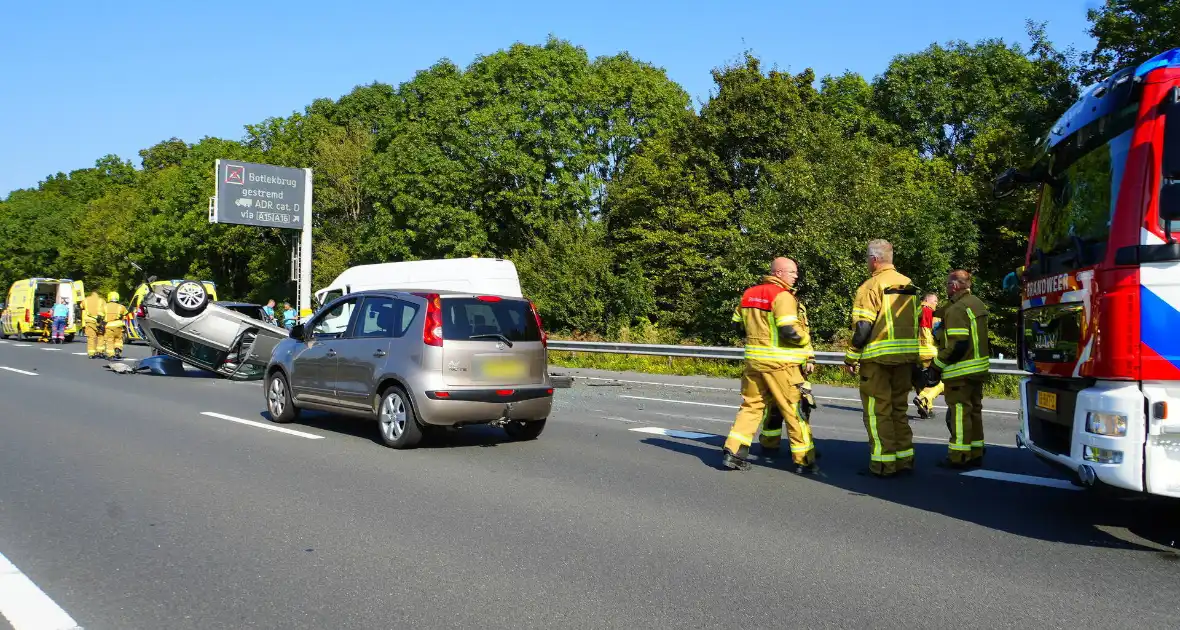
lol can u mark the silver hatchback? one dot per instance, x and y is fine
(417, 362)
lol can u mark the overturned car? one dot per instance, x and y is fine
(180, 321)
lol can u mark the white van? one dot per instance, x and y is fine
(493, 276)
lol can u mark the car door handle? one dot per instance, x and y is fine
(379, 353)
(331, 352)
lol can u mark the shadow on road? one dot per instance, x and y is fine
(1078, 518)
(483, 436)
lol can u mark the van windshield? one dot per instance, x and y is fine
(468, 318)
(1086, 171)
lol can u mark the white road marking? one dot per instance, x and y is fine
(51, 349)
(674, 433)
(263, 425)
(730, 389)
(18, 371)
(27, 607)
(855, 400)
(21, 345)
(80, 354)
(1047, 482)
(615, 380)
(681, 402)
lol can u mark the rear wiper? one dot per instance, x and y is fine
(507, 341)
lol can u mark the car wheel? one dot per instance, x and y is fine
(278, 399)
(189, 298)
(395, 419)
(521, 430)
(69, 339)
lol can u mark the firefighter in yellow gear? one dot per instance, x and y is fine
(962, 364)
(778, 356)
(884, 350)
(770, 435)
(927, 349)
(114, 325)
(93, 311)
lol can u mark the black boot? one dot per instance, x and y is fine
(805, 469)
(733, 462)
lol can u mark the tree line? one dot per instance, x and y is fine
(621, 203)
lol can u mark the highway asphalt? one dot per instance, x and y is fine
(126, 505)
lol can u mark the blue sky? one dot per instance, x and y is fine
(81, 79)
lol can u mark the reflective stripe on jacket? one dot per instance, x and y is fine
(965, 318)
(888, 301)
(763, 309)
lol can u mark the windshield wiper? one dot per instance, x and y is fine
(507, 341)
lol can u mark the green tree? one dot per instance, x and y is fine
(1129, 32)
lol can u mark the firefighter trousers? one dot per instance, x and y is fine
(759, 390)
(884, 395)
(114, 339)
(964, 419)
(94, 342)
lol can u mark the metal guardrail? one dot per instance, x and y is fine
(722, 353)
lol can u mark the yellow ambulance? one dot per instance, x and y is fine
(30, 302)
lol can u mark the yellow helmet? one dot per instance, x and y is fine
(113, 296)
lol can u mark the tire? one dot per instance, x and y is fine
(278, 399)
(188, 299)
(522, 431)
(396, 420)
(69, 339)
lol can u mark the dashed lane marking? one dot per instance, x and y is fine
(18, 371)
(263, 425)
(22, 345)
(27, 607)
(51, 349)
(1031, 480)
(690, 435)
(80, 354)
(822, 429)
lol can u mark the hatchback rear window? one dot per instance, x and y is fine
(475, 319)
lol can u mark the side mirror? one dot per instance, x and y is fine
(1171, 161)
(1005, 184)
(296, 332)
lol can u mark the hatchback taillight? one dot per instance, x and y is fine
(540, 326)
(432, 333)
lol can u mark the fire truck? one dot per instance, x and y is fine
(1100, 288)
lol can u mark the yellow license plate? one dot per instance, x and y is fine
(1047, 401)
(505, 369)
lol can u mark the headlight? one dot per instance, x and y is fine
(1111, 424)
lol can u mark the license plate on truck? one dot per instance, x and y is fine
(1047, 401)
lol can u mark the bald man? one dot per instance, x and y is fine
(778, 356)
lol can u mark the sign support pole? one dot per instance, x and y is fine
(305, 249)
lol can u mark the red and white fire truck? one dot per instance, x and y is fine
(1100, 310)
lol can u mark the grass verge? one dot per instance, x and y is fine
(998, 386)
